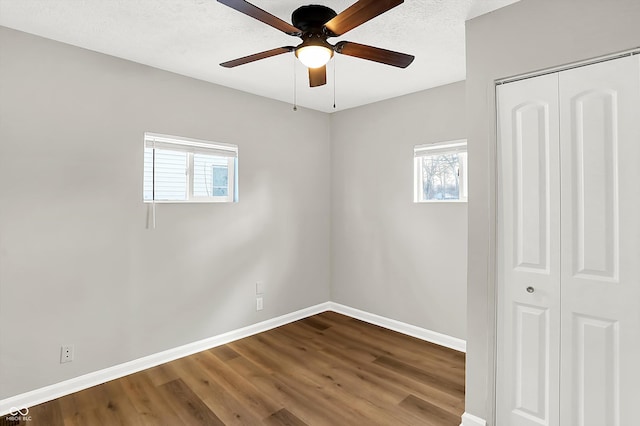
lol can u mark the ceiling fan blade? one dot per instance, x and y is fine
(261, 15)
(359, 13)
(257, 56)
(318, 76)
(388, 57)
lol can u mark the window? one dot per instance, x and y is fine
(189, 170)
(440, 171)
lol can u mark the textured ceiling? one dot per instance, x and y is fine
(192, 37)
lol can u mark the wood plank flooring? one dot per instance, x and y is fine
(328, 369)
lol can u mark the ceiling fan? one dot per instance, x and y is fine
(314, 24)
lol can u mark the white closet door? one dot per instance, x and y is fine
(600, 152)
(528, 253)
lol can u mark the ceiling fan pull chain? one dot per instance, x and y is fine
(295, 102)
(335, 62)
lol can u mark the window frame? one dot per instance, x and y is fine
(457, 146)
(191, 147)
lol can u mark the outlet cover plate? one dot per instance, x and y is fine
(66, 353)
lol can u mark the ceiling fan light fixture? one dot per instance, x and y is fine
(314, 56)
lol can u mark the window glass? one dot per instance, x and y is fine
(183, 170)
(220, 180)
(440, 172)
(170, 177)
(210, 176)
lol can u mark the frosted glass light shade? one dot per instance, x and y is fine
(314, 56)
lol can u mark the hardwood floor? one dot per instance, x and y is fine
(328, 369)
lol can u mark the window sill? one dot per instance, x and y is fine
(440, 201)
(189, 201)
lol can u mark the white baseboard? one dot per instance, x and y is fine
(401, 327)
(471, 420)
(57, 390)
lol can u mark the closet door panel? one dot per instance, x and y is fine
(600, 226)
(528, 253)
(594, 178)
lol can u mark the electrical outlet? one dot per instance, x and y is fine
(259, 305)
(66, 354)
(260, 287)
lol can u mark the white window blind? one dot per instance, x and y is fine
(189, 145)
(189, 170)
(432, 149)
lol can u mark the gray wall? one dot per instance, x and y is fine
(78, 266)
(325, 217)
(390, 256)
(526, 36)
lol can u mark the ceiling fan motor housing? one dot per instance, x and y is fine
(311, 18)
